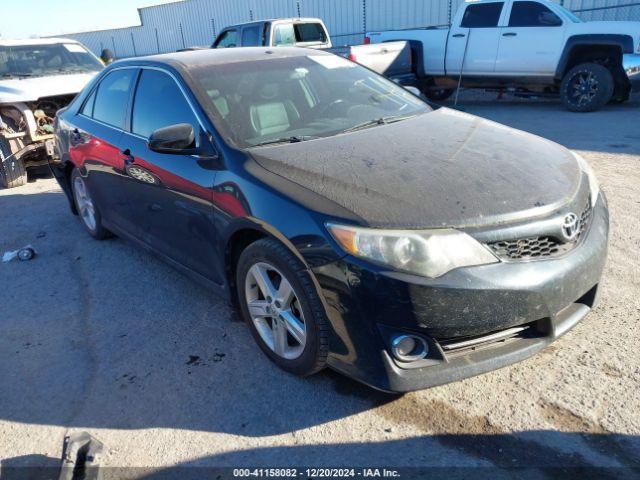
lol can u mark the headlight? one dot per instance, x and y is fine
(430, 253)
(594, 186)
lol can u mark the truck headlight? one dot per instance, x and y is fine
(429, 253)
(594, 186)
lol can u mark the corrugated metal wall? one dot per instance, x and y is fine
(166, 28)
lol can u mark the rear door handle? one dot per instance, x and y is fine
(127, 157)
(509, 34)
(459, 35)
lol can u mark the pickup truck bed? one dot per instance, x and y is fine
(393, 59)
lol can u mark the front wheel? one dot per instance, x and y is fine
(281, 306)
(586, 87)
(12, 170)
(86, 207)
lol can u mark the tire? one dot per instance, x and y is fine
(438, 94)
(95, 228)
(586, 87)
(306, 307)
(12, 170)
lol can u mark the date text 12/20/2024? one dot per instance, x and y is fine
(315, 473)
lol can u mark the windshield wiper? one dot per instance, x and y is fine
(377, 121)
(293, 139)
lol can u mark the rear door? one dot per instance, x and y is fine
(94, 144)
(532, 40)
(172, 198)
(474, 41)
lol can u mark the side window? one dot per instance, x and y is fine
(251, 36)
(159, 103)
(87, 108)
(532, 14)
(112, 97)
(228, 39)
(482, 15)
(284, 35)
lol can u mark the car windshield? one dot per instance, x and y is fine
(44, 60)
(300, 98)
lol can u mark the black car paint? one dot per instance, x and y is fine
(230, 194)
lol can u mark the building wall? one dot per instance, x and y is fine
(168, 27)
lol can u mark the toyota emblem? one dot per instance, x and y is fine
(571, 226)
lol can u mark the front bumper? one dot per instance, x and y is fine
(366, 306)
(631, 66)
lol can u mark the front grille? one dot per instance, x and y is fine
(532, 248)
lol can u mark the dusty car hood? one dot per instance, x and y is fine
(31, 89)
(443, 168)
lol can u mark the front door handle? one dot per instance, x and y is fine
(459, 35)
(509, 34)
(127, 157)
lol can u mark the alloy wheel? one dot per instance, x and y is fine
(583, 88)
(86, 209)
(275, 310)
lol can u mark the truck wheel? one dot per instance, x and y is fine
(586, 87)
(12, 170)
(438, 94)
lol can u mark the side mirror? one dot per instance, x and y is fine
(177, 139)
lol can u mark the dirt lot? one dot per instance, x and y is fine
(99, 336)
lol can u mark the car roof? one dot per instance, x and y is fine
(35, 41)
(221, 56)
(273, 20)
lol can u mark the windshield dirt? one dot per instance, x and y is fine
(43, 60)
(300, 98)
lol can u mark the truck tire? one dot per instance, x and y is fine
(12, 170)
(586, 87)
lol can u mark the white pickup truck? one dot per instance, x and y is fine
(532, 46)
(393, 60)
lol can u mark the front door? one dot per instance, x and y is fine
(172, 198)
(474, 42)
(532, 42)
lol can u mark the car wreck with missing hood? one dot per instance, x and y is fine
(37, 78)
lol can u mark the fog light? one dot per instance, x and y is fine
(409, 348)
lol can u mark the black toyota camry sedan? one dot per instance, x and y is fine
(353, 226)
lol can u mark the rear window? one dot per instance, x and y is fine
(309, 32)
(484, 15)
(113, 96)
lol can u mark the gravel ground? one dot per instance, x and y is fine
(102, 337)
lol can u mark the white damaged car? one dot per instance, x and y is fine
(37, 78)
